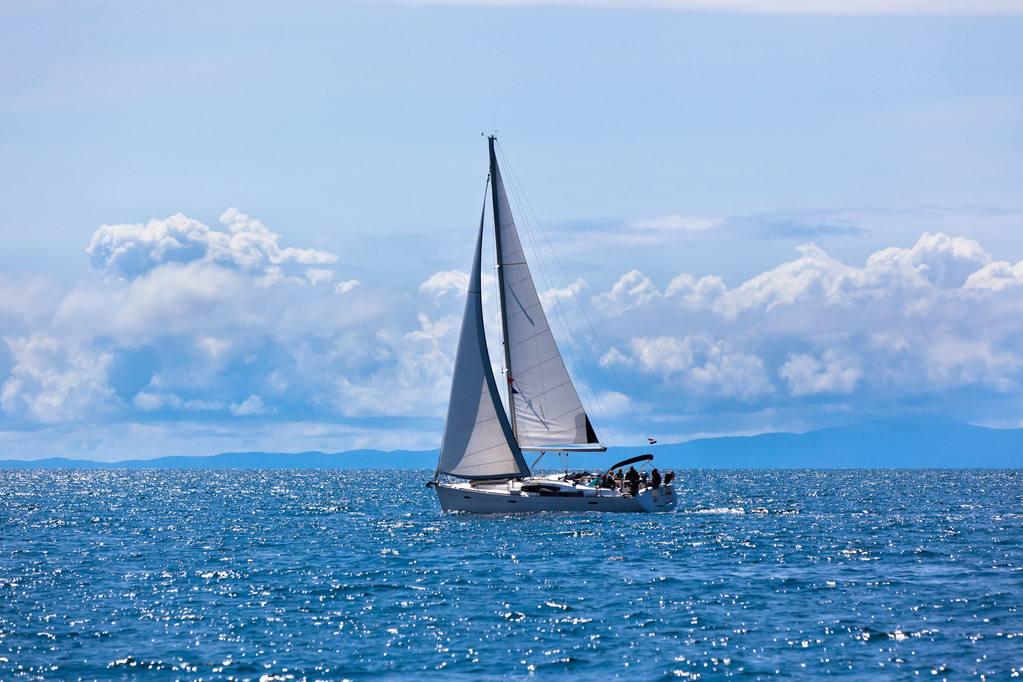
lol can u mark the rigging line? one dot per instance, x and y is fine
(548, 280)
(559, 313)
(582, 308)
(562, 315)
(558, 307)
(561, 318)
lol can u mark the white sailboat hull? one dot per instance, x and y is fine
(510, 499)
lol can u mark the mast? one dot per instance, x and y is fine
(495, 178)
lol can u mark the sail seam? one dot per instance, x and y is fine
(540, 364)
(476, 452)
(480, 465)
(555, 418)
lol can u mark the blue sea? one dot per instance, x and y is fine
(281, 575)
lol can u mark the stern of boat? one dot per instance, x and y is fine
(659, 499)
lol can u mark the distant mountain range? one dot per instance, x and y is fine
(874, 445)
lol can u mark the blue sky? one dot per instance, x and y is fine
(231, 226)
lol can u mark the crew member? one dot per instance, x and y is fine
(633, 479)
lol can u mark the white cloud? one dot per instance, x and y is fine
(632, 289)
(192, 298)
(55, 380)
(956, 360)
(663, 354)
(202, 299)
(730, 375)
(447, 282)
(129, 250)
(193, 311)
(26, 301)
(696, 293)
(149, 401)
(414, 375)
(936, 260)
(832, 373)
(347, 286)
(610, 404)
(555, 296)
(675, 223)
(250, 406)
(254, 331)
(925, 319)
(320, 275)
(703, 365)
(146, 401)
(213, 347)
(615, 357)
(812, 7)
(996, 276)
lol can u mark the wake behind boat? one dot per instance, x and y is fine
(481, 456)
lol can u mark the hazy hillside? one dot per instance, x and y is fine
(871, 445)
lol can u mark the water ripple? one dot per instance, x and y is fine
(327, 575)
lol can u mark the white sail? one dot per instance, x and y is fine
(478, 441)
(546, 410)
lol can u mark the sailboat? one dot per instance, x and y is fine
(482, 466)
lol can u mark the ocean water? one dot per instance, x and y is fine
(333, 575)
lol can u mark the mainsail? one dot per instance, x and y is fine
(478, 441)
(544, 405)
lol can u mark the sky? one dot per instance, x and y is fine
(237, 226)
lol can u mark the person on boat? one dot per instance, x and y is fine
(669, 477)
(655, 479)
(633, 479)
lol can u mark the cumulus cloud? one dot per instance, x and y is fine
(665, 354)
(447, 282)
(935, 261)
(148, 402)
(610, 404)
(996, 276)
(183, 321)
(250, 406)
(556, 295)
(934, 317)
(960, 360)
(632, 289)
(410, 376)
(347, 286)
(701, 365)
(247, 244)
(832, 373)
(730, 375)
(183, 318)
(55, 380)
(26, 301)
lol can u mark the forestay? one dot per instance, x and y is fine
(546, 410)
(478, 441)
